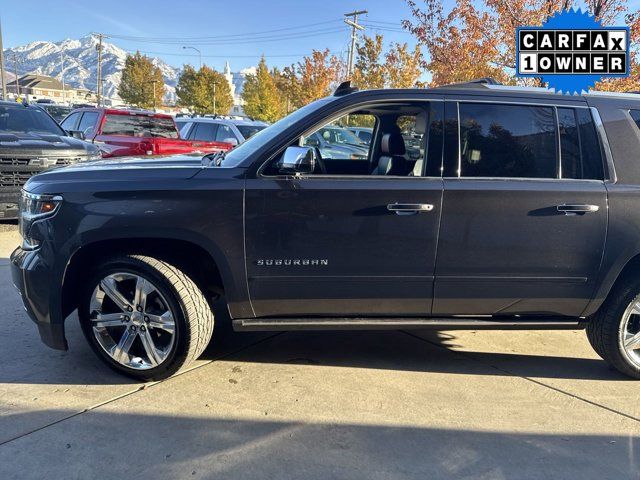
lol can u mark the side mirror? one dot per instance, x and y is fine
(231, 140)
(76, 134)
(297, 160)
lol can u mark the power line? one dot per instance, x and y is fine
(174, 54)
(163, 39)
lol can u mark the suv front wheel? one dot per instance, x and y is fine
(144, 317)
(614, 331)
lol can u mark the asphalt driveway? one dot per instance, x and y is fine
(365, 405)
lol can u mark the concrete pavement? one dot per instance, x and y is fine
(364, 405)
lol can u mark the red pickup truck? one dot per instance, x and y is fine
(121, 133)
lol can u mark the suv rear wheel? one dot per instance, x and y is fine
(144, 317)
(614, 331)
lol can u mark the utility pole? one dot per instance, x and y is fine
(15, 68)
(64, 90)
(354, 36)
(3, 77)
(99, 82)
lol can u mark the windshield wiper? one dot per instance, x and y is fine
(213, 159)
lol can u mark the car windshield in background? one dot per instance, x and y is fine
(340, 136)
(249, 131)
(58, 112)
(20, 119)
(139, 126)
(255, 143)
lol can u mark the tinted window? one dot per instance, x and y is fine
(635, 114)
(435, 141)
(515, 141)
(69, 123)
(205, 132)
(224, 133)
(592, 161)
(139, 126)
(88, 122)
(451, 141)
(579, 147)
(20, 119)
(365, 136)
(249, 131)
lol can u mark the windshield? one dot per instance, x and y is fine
(255, 143)
(139, 126)
(20, 119)
(249, 131)
(339, 136)
(58, 112)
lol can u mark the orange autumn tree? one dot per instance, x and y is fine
(477, 38)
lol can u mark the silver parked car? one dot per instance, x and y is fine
(218, 129)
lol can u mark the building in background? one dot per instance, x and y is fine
(33, 87)
(236, 83)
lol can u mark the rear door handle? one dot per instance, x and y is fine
(409, 208)
(577, 209)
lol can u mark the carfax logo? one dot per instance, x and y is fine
(572, 51)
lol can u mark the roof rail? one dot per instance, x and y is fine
(344, 88)
(475, 83)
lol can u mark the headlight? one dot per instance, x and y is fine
(35, 207)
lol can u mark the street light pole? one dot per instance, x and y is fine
(199, 53)
(15, 68)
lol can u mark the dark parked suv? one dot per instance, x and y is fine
(522, 211)
(30, 142)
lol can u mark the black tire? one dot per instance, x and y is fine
(193, 314)
(603, 329)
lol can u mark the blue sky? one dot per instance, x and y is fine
(60, 19)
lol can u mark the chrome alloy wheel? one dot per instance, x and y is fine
(132, 321)
(629, 335)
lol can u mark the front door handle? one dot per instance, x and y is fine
(409, 208)
(577, 209)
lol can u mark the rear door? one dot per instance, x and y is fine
(524, 210)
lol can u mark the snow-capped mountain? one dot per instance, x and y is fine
(81, 62)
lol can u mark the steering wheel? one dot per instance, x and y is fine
(320, 165)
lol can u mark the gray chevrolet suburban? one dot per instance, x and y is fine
(521, 211)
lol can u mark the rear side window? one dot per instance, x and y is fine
(579, 147)
(224, 133)
(517, 141)
(139, 126)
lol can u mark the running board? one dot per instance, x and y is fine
(447, 323)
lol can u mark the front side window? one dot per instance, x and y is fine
(205, 132)
(224, 133)
(88, 122)
(69, 123)
(517, 141)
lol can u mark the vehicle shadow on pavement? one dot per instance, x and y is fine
(424, 351)
(214, 447)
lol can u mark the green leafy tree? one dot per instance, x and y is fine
(204, 91)
(140, 80)
(261, 95)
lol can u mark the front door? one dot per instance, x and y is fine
(346, 241)
(524, 212)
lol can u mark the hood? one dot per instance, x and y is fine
(137, 171)
(43, 144)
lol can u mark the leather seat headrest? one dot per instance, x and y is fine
(392, 144)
